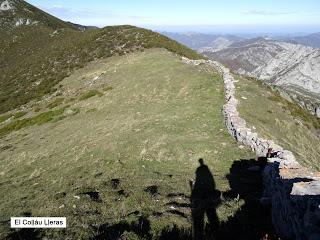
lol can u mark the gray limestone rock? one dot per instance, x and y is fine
(318, 112)
(294, 195)
(5, 6)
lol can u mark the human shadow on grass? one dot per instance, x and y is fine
(25, 234)
(140, 229)
(204, 201)
(251, 221)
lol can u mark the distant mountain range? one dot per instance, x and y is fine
(312, 40)
(36, 53)
(293, 68)
(82, 27)
(290, 63)
(200, 41)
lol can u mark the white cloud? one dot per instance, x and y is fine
(93, 17)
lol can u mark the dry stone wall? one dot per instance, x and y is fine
(292, 190)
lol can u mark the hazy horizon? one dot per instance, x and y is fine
(204, 16)
(254, 30)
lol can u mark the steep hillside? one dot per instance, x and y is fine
(117, 149)
(293, 68)
(200, 40)
(218, 44)
(106, 127)
(15, 13)
(42, 50)
(275, 118)
(311, 40)
(246, 56)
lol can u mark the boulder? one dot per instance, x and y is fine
(318, 112)
(5, 6)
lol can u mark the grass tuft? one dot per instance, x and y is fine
(106, 89)
(19, 114)
(90, 94)
(37, 120)
(55, 103)
(4, 118)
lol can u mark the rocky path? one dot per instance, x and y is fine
(292, 190)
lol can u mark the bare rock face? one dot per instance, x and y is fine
(318, 112)
(16, 14)
(5, 6)
(291, 67)
(292, 190)
(217, 45)
(296, 66)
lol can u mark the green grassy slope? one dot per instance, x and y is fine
(35, 57)
(277, 119)
(39, 59)
(126, 152)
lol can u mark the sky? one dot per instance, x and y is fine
(283, 16)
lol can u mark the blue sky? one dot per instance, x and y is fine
(190, 15)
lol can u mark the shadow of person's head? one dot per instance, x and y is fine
(201, 162)
(204, 184)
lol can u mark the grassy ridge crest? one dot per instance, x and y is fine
(40, 57)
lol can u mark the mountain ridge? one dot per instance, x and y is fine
(49, 49)
(312, 40)
(15, 13)
(198, 41)
(291, 67)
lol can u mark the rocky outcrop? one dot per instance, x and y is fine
(290, 67)
(318, 112)
(22, 21)
(292, 190)
(5, 6)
